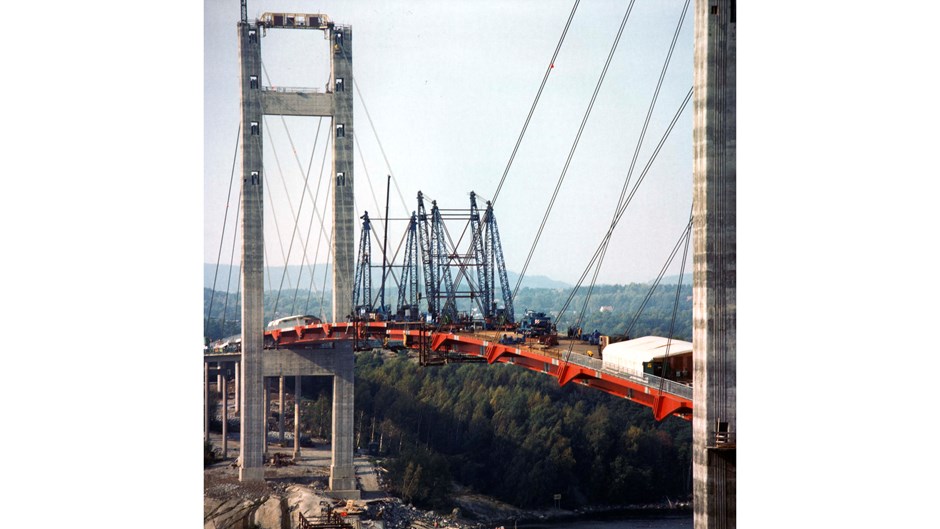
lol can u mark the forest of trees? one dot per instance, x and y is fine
(515, 435)
(504, 431)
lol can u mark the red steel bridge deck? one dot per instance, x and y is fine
(442, 346)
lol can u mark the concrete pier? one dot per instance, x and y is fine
(205, 401)
(280, 412)
(342, 470)
(334, 359)
(714, 424)
(264, 420)
(297, 386)
(224, 418)
(237, 382)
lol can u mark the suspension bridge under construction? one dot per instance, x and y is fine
(455, 301)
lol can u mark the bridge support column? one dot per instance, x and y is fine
(237, 383)
(266, 399)
(224, 418)
(342, 469)
(714, 260)
(297, 417)
(205, 401)
(280, 412)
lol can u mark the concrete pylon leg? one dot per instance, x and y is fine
(237, 385)
(252, 281)
(714, 290)
(205, 400)
(280, 411)
(218, 381)
(264, 420)
(224, 419)
(342, 469)
(297, 417)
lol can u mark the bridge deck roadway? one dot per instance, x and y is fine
(665, 397)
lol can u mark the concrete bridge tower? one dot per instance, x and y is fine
(332, 359)
(714, 424)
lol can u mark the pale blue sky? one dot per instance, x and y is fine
(448, 86)
(836, 201)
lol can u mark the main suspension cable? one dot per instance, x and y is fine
(377, 140)
(574, 146)
(675, 307)
(228, 198)
(277, 228)
(313, 215)
(636, 152)
(296, 216)
(629, 199)
(231, 259)
(303, 248)
(659, 278)
(535, 102)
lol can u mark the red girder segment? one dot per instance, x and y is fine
(662, 403)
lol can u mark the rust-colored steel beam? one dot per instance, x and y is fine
(454, 348)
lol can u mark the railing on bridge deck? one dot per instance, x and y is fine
(653, 381)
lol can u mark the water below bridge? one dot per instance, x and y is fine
(671, 521)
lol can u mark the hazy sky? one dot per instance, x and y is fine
(448, 86)
(837, 193)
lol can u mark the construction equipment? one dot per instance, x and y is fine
(362, 286)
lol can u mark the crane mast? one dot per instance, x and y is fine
(495, 250)
(362, 286)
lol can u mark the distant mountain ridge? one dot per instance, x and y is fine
(674, 279)
(227, 278)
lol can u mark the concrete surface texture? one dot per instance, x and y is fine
(252, 415)
(344, 215)
(714, 261)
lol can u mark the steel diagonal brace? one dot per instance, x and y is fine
(494, 352)
(438, 340)
(569, 372)
(664, 407)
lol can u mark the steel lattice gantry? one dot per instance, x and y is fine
(494, 254)
(362, 286)
(437, 257)
(407, 309)
(484, 279)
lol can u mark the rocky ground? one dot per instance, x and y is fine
(302, 488)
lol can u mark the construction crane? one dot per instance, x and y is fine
(494, 254)
(362, 287)
(442, 263)
(407, 309)
(424, 239)
(484, 280)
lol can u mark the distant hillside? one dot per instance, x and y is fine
(673, 279)
(535, 281)
(272, 278)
